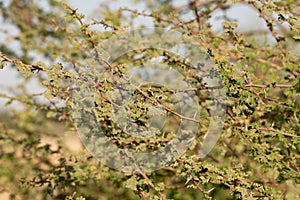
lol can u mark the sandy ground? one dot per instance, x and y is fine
(71, 142)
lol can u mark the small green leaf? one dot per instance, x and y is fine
(296, 37)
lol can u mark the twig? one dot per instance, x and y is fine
(150, 182)
(206, 196)
(281, 132)
(195, 8)
(142, 194)
(266, 86)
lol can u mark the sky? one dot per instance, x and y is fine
(9, 77)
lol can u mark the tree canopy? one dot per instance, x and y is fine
(234, 87)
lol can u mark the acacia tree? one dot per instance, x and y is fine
(257, 154)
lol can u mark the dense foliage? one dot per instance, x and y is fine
(257, 155)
